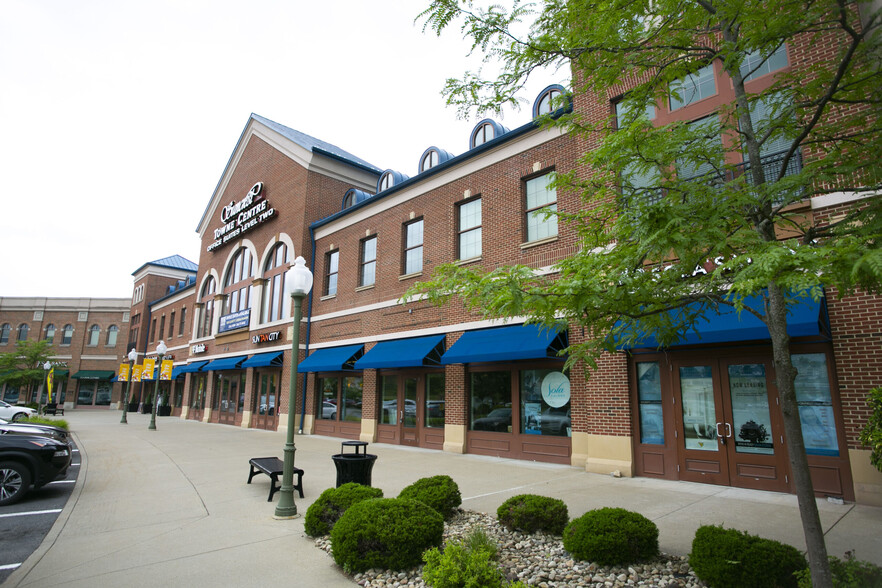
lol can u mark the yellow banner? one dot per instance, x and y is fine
(123, 373)
(136, 373)
(147, 370)
(165, 369)
(49, 378)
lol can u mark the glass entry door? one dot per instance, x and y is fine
(263, 411)
(409, 406)
(725, 428)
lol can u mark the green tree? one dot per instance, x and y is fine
(659, 201)
(24, 366)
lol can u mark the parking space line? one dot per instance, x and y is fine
(9, 566)
(33, 512)
(62, 482)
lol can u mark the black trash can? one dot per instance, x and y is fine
(354, 467)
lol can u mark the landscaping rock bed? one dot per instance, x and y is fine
(538, 560)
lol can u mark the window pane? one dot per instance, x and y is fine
(414, 261)
(707, 137)
(538, 417)
(470, 244)
(370, 249)
(815, 404)
(332, 284)
(539, 193)
(415, 234)
(699, 408)
(470, 215)
(693, 88)
(111, 336)
(491, 402)
(754, 66)
(539, 227)
(277, 293)
(328, 399)
(352, 399)
(434, 400)
(389, 412)
(334, 260)
(652, 427)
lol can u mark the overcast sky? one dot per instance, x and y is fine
(118, 117)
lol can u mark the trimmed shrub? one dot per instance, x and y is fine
(850, 573)
(531, 513)
(439, 492)
(611, 536)
(465, 564)
(387, 533)
(41, 420)
(729, 558)
(322, 515)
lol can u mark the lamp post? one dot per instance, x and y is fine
(133, 357)
(160, 351)
(298, 282)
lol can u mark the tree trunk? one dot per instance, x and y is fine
(785, 375)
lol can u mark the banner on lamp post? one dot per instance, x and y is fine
(49, 378)
(165, 369)
(123, 373)
(148, 368)
(136, 373)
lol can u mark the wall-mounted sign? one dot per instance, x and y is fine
(266, 337)
(555, 389)
(244, 215)
(198, 348)
(233, 321)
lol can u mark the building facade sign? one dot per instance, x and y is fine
(242, 216)
(266, 337)
(236, 320)
(198, 348)
(555, 389)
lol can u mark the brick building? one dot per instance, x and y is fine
(375, 369)
(89, 338)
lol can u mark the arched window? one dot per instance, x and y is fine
(94, 331)
(112, 333)
(548, 100)
(4, 333)
(387, 180)
(237, 283)
(482, 134)
(67, 335)
(23, 330)
(205, 315)
(50, 333)
(429, 160)
(275, 305)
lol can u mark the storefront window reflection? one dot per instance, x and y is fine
(351, 399)
(545, 403)
(815, 404)
(491, 402)
(389, 411)
(652, 430)
(328, 399)
(435, 400)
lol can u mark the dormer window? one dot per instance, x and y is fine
(548, 100)
(353, 196)
(429, 160)
(483, 134)
(386, 181)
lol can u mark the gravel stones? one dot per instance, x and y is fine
(538, 560)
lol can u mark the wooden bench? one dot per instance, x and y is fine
(273, 467)
(56, 409)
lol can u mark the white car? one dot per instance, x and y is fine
(12, 412)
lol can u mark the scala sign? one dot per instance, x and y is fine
(242, 216)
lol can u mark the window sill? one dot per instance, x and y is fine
(409, 276)
(362, 288)
(539, 242)
(328, 297)
(468, 261)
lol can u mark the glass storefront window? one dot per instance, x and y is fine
(751, 420)
(267, 397)
(490, 402)
(434, 400)
(652, 428)
(85, 393)
(351, 401)
(815, 404)
(327, 399)
(179, 393)
(389, 411)
(198, 392)
(102, 397)
(545, 403)
(699, 408)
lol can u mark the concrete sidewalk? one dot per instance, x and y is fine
(171, 507)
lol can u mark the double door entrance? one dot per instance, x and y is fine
(716, 418)
(411, 409)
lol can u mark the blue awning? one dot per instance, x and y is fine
(177, 371)
(227, 363)
(805, 318)
(192, 367)
(507, 344)
(413, 352)
(332, 359)
(273, 358)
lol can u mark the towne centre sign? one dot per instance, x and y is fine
(240, 217)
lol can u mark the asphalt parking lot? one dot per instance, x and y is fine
(24, 525)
